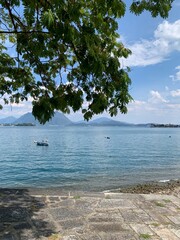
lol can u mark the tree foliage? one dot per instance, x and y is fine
(64, 53)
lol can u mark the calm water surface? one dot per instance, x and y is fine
(82, 158)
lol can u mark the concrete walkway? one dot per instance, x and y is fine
(56, 215)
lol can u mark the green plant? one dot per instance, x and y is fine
(107, 197)
(166, 200)
(145, 236)
(77, 197)
(56, 236)
(155, 224)
(159, 204)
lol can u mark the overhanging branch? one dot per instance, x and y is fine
(11, 15)
(20, 32)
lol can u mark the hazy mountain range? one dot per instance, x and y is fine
(60, 119)
(103, 121)
(7, 120)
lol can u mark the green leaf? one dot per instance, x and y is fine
(48, 18)
(67, 54)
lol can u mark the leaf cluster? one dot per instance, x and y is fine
(67, 54)
(155, 7)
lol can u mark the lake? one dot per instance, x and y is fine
(82, 158)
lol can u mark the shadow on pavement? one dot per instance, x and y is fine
(22, 216)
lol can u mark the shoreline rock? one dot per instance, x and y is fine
(169, 187)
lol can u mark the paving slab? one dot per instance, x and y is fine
(47, 214)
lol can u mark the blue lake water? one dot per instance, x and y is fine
(82, 158)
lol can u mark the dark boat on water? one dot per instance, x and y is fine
(42, 143)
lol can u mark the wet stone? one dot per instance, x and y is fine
(129, 216)
(38, 205)
(70, 224)
(12, 214)
(106, 217)
(45, 232)
(22, 226)
(64, 213)
(176, 231)
(53, 199)
(108, 227)
(64, 198)
(115, 203)
(7, 236)
(141, 229)
(100, 219)
(119, 236)
(92, 237)
(70, 237)
(66, 203)
(143, 216)
(2, 227)
(40, 199)
(39, 217)
(175, 219)
(28, 235)
(43, 225)
(84, 206)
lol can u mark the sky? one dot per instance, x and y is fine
(155, 70)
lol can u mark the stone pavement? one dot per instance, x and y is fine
(56, 215)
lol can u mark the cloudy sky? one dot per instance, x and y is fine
(155, 69)
(155, 66)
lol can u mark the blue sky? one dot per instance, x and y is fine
(155, 69)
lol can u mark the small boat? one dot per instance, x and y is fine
(42, 143)
(107, 137)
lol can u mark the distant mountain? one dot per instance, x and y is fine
(26, 118)
(7, 120)
(59, 120)
(103, 121)
(108, 122)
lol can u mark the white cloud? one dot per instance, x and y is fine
(15, 109)
(156, 98)
(136, 104)
(168, 31)
(175, 93)
(149, 52)
(176, 77)
(157, 110)
(175, 106)
(172, 77)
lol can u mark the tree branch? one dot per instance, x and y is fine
(20, 32)
(10, 14)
